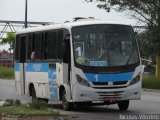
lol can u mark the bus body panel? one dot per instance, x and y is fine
(86, 94)
(49, 77)
(42, 77)
(101, 92)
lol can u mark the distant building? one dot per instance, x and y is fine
(6, 59)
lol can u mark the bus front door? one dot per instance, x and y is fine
(22, 64)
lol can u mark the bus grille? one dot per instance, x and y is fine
(120, 83)
(110, 85)
(115, 94)
(100, 83)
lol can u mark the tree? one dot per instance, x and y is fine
(10, 39)
(147, 46)
(146, 11)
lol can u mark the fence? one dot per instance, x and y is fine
(6, 63)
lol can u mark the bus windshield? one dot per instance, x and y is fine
(104, 45)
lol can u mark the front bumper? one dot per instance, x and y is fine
(88, 94)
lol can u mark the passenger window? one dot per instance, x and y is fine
(52, 37)
(38, 46)
(29, 46)
(17, 48)
(45, 45)
(23, 49)
(60, 45)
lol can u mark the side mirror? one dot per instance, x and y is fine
(136, 33)
(66, 42)
(66, 37)
(64, 45)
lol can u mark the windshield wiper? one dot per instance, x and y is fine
(130, 55)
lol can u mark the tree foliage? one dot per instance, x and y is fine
(147, 46)
(10, 38)
(143, 10)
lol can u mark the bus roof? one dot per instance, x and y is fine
(68, 25)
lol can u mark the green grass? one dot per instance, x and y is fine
(26, 110)
(151, 82)
(6, 73)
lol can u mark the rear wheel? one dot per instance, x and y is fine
(66, 105)
(123, 105)
(33, 94)
(43, 99)
(34, 98)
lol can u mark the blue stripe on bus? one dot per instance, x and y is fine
(37, 67)
(109, 77)
(33, 67)
(16, 66)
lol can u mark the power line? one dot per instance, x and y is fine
(10, 26)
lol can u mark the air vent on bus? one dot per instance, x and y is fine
(81, 18)
(120, 83)
(100, 83)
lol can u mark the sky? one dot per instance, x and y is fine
(57, 11)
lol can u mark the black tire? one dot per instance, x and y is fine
(66, 105)
(123, 105)
(43, 99)
(33, 94)
(35, 98)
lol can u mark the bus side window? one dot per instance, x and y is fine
(38, 46)
(51, 44)
(17, 48)
(29, 46)
(32, 47)
(45, 45)
(60, 45)
(23, 49)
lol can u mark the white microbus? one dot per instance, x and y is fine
(85, 61)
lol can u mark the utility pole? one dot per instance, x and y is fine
(26, 24)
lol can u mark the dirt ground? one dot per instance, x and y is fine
(37, 118)
(30, 118)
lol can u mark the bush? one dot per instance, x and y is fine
(7, 73)
(151, 82)
(38, 104)
(10, 100)
(17, 102)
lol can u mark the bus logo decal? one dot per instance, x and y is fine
(96, 77)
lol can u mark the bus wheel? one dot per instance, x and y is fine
(33, 94)
(65, 103)
(45, 100)
(123, 105)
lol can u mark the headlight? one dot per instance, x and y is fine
(135, 79)
(82, 81)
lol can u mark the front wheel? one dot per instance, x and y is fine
(65, 103)
(123, 105)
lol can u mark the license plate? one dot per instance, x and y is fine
(110, 98)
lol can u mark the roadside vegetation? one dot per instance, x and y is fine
(151, 82)
(6, 73)
(37, 108)
(26, 110)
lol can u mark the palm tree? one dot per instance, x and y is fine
(10, 39)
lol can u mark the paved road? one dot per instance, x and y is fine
(149, 104)
(8, 91)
